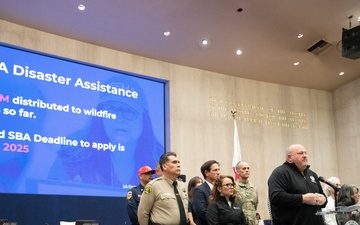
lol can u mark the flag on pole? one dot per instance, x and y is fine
(237, 151)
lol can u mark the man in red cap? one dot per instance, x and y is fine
(134, 194)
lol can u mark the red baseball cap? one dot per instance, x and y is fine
(145, 169)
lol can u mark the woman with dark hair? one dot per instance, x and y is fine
(193, 183)
(130, 133)
(222, 207)
(348, 196)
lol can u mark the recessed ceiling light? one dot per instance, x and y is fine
(205, 43)
(359, 19)
(296, 63)
(341, 73)
(81, 7)
(238, 52)
(167, 33)
(300, 35)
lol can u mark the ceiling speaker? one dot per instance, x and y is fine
(351, 43)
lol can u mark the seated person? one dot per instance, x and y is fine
(348, 196)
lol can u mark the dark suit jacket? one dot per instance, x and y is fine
(200, 201)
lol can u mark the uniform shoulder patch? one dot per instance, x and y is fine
(129, 195)
(148, 189)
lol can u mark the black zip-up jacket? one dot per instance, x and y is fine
(286, 187)
(220, 213)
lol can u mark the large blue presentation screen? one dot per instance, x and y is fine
(70, 128)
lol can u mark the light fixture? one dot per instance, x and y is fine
(238, 52)
(296, 63)
(205, 43)
(300, 35)
(81, 7)
(166, 33)
(341, 73)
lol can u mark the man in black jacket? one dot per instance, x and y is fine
(295, 192)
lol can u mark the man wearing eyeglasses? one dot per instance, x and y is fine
(246, 192)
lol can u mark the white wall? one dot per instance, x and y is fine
(347, 123)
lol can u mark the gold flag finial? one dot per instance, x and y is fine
(233, 112)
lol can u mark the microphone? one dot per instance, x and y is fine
(322, 179)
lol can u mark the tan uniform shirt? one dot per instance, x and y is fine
(158, 202)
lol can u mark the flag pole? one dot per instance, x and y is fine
(237, 149)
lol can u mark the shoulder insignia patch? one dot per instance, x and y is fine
(148, 189)
(129, 195)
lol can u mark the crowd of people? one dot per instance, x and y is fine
(296, 195)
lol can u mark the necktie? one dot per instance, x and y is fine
(180, 204)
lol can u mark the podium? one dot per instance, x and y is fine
(348, 215)
(345, 215)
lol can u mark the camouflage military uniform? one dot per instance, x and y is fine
(247, 197)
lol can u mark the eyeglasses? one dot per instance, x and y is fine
(229, 185)
(126, 111)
